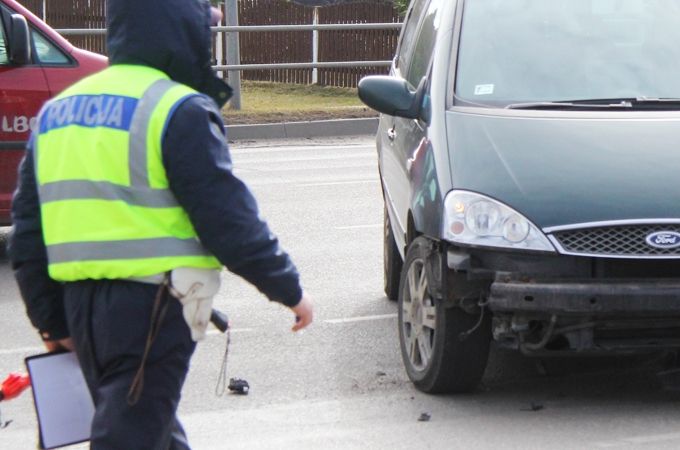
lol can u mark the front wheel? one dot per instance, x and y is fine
(437, 360)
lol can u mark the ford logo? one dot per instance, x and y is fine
(664, 239)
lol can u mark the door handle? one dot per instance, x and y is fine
(391, 134)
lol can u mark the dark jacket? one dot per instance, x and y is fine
(172, 36)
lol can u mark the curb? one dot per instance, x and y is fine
(302, 130)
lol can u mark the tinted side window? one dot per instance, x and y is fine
(47, 52)
(422, 52)
(406, 43)
(4, 58)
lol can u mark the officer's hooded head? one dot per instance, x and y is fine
(170, 35)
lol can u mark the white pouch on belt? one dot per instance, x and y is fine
(195, 289)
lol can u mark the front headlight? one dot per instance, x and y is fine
(475, 219)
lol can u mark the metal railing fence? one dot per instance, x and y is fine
(263, 28)
(234, 67)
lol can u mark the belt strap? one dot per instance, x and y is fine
(151, 279)
(160, 307)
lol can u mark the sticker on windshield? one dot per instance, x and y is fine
(484, 89)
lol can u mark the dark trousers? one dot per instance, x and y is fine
(109, 322)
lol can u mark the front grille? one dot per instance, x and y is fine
(619, 240)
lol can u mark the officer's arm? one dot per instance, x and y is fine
(43, 296)
(222, 209)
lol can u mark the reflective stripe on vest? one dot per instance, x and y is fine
(140, 193)
(139, 128)
(125, 253)
(103, 190)
(141, 248)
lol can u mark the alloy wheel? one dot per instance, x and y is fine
(419, 317)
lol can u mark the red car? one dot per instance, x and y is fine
(36, 63)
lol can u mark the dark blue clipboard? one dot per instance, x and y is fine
(63, 403)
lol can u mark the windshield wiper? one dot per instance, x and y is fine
(666, 101)
(581, 104)
(601, 103)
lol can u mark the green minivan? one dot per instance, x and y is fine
(529, 153)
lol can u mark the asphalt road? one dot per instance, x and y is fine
(341, 383)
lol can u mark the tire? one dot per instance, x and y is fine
(435, 358)
(392, 262)
(3, 243)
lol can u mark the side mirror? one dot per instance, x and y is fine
(391, 96)
(20, 41)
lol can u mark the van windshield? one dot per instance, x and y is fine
(514, 51)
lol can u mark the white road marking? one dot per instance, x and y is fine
(650, 439)
(654, 438)
(32, 350)
(10, 351)
(361, 319)
(283, 159)
(337, 183)
(354, 227)
(311, 148)
(284, 169)
(215, 331)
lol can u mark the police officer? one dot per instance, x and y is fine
(126, 182)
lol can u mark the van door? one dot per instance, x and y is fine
(406, 136)
(23, 90)
(391, 160)
(61, 69)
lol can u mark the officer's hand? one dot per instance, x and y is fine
(303, 313)
(215, 16)
(59, 345)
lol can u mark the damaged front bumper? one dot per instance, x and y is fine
(586, 297)
(562, 304)
(585, 315)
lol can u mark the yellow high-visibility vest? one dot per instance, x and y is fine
(107, 210)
